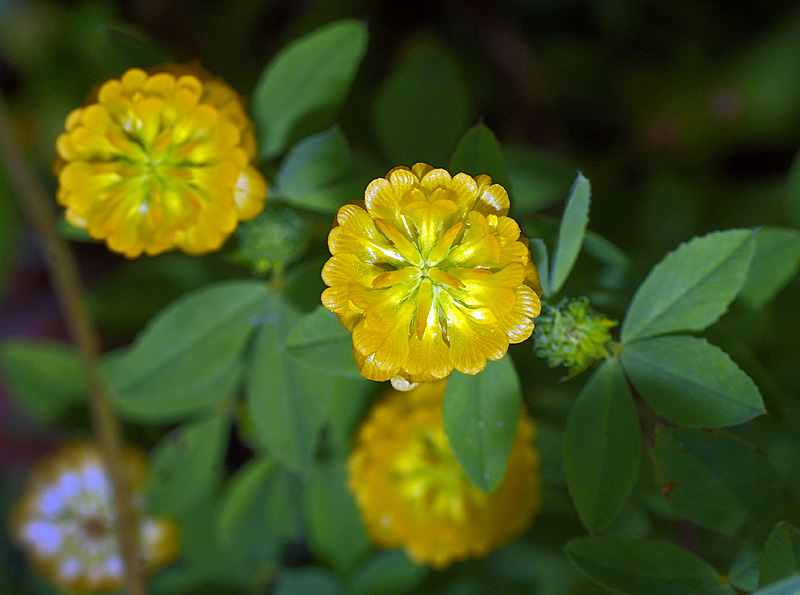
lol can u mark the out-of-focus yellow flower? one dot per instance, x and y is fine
(160, 160)
(430, 275)
(413, 493)
(65, 520)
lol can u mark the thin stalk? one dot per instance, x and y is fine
(63, 271)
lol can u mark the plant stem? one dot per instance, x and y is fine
(65, 278)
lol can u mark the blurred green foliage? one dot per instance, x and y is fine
(686, 119)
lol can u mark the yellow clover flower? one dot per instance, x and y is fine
(65, 520)
(430, 275)
(158, 161)
(412, 492)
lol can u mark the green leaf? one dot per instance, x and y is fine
(640, 567)
(743, 569)
(775, 261)
(317, 170)
(790, 586)
(155, 408)
(601, 271)
(793, 192)
(327, 199)
(189, 356)
(305, 581)
(315, 161)
(288, 399)
(158, 281)
(306, 83)
(320, 340)
(602, 447)
(781, 554)
(422, 109)
(691, 382)
(340, 538)
(716, 480)
(123, 47)
(347, 410)
(387, 573)
(570, 233)
(480, 419)
(478, 152)
(45, 377)
(545, 567)
(202, 560)
(254, 511)
(186, 464)
(691, 287)
(538, 179)
(539, 255)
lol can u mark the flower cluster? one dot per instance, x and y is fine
(160, 160)
(430, 275)
(65, 521)
(572, 334)
(412, 492)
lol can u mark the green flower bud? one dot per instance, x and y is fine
(273, 240)
(572, 334)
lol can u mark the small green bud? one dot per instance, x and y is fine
(271, 241)
(572, 334)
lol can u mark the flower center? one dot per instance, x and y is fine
(95, 527)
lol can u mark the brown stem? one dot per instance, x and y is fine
(64, 275)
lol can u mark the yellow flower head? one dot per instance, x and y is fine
(65, 521)
(158, 161)
(430, 276)
(412, 492)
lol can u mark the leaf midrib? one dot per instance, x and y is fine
(689, 380)
(191, 342)
(637, 334)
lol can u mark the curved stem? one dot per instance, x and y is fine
(64, 275)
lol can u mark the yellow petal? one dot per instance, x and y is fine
(532, 279)
(506, 228)
(390, 278)
(444, 278)
(402, 181)
(496, 291)
(442, 249)
(381, 305)
(337, 301)
(133, 80)
(161, 85)
(420, 170)
(494, 200)
(518, 323)
(200, 121)
(478, 247)
(370, 370)
(409, 251)
(344, 270)
(429, 219)
(426, 313)
(466, 192)
(388, 348)
(433, 179)
(429, 356)
(249, 193)
(471, 343)
(514, 252)
(380, 199)
(357, 234)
